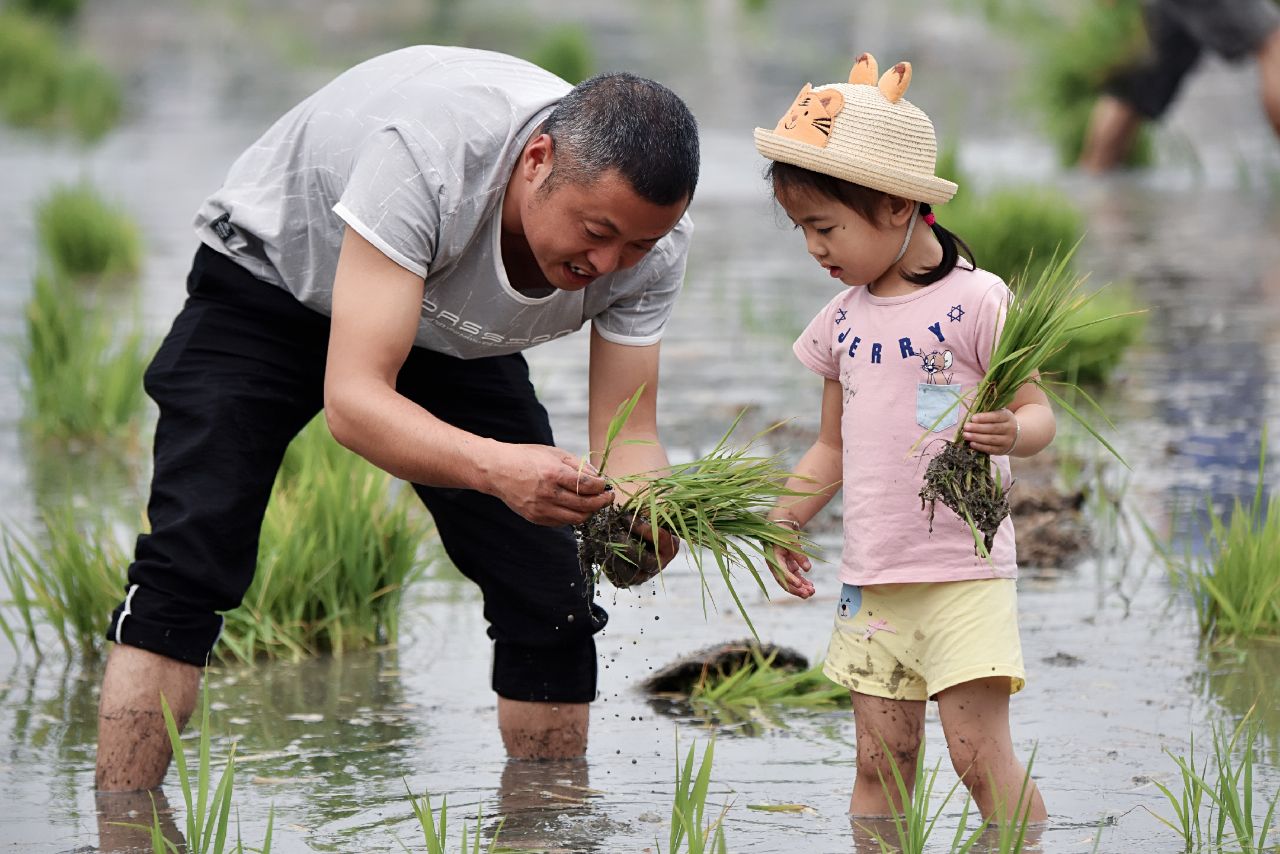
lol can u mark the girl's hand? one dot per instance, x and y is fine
(994, 433)
(668, 543)
(792, 563)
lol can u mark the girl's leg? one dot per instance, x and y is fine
(975, 720)
(899, 724)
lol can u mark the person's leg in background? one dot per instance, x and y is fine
(1139, 92)
(1269, 72)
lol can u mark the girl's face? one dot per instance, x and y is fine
(851, 248)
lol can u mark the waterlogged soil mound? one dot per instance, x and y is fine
(1050, 524)
(679, 677)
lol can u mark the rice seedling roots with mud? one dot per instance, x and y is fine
(599, 552)
(961, 479)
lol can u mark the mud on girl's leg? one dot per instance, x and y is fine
(975, 720)
(897, 724)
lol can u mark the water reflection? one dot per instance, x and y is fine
(344, 720)
(1243, 680)
(53, 717)
(550, 806)
(107, 475)
(125, 820)
(866, 833)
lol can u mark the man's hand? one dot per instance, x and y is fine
(548, 486)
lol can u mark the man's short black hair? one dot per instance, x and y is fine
(629, 123)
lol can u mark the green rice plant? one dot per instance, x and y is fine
(914, 826)
(566, 52)
(45, 85)
(1011, 834)
(759, 683)
(90, 97)
(717, 504)
(60, 11)
(1227, 794)
(85, 236)
(691, 830)
(435, 828)
(1110, 323)
(1236, 589)
(84, 379)
(1039, 322)
(208, 813)
(70, 581)
(1189, 801)
(340, 543)
(30, 60)
(1015, 231)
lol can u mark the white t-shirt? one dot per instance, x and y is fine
(413, 150)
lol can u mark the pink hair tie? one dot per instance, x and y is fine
(930, 219)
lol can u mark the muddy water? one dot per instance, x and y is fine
(1115, 671)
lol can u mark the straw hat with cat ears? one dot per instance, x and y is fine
(862, 131)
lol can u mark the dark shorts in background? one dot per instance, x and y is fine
(1178, 32)
(239, 374)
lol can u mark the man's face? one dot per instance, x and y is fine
(579, 232)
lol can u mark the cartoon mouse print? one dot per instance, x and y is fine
(935, 362)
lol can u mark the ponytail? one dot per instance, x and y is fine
(952, 248)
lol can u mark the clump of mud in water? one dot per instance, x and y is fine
(961, 479)
(609, 545)
(682, 675)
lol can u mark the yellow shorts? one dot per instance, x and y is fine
(912, 641)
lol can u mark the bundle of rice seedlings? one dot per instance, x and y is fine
(1042, 320)
(717, 504)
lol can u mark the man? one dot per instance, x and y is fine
(1179, 31)
(385, 251)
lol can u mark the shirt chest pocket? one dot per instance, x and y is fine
(937, 406)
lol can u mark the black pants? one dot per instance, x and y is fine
(239, 374)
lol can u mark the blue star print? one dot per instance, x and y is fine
(840, 315)
(956, 313)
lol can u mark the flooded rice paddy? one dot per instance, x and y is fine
(1116, 674)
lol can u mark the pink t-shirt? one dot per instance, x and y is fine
(901, 361)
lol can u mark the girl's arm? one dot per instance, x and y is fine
(1023, 430)
(819, 472)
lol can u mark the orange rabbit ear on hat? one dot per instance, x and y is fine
(863, 131)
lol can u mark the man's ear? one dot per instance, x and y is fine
(537, 157)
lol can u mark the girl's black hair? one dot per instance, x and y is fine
(788, 178)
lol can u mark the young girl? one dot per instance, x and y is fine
(920, 616)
